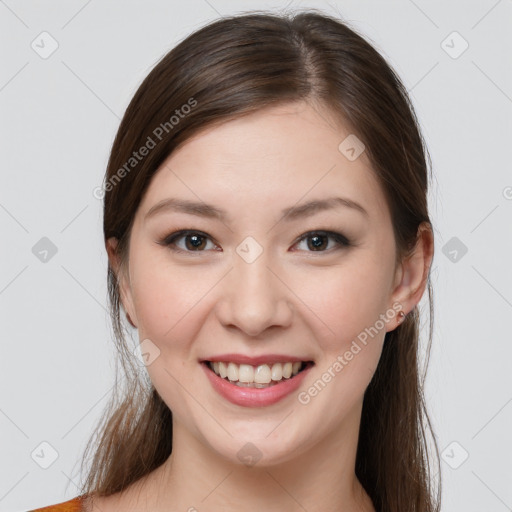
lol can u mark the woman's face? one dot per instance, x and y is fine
(242, 283)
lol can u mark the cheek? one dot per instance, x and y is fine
(168, 304)
(166, 298)
(352, 303)
(346, 299)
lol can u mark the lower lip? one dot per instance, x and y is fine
(254, 397)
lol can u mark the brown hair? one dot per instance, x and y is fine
(232, 67)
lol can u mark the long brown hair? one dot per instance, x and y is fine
(232, 67)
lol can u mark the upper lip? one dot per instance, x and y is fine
(255, 361)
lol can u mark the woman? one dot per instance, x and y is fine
(266, 221)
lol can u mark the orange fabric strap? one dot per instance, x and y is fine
(74, 505)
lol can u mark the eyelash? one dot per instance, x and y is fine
(169, 240)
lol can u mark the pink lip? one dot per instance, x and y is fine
(255, 361)
(254, 397)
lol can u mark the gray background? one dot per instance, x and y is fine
(59, 116)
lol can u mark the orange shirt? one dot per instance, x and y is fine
(73, 505)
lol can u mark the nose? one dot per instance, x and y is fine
(254, 297)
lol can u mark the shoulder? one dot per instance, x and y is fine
(73, 505)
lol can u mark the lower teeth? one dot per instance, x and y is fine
(254, 384)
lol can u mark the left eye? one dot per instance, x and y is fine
(316, 238)
(197, 240)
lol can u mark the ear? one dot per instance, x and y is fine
(412, 274)
(123, 280)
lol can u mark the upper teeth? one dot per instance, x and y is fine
(261, 374)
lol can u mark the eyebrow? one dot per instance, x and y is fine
(291, 213)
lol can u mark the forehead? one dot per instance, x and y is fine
(268, 160)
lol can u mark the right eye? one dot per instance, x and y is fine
(194, 240)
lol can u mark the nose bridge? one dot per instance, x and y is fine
(254, 278)
(256, 298)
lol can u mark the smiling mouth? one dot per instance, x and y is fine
(262, 376)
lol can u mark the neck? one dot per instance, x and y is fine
(195, 478)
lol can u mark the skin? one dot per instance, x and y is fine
(291, 299)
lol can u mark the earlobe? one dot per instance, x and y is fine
(111, 246)
(124, 285)
(413, 272)
(130, 320)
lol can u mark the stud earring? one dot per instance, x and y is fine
(401, 316)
